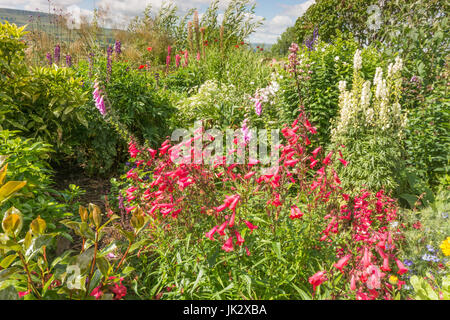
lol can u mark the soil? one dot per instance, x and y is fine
(96, 187)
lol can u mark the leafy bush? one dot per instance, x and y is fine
(28, 272)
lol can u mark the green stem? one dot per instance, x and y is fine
(93, 263)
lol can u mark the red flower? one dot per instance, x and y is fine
(345, 163)
(250, 226)
(210, 234)
(236, 46)
(228, 245)
(97, 293)
(142, 66)
(119, 291)
(316, 151)
(317, 279)
(342, 262)
(239, 239)
(149, 49)
(295, 213)
(401, 267)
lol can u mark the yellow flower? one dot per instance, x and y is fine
(445, 246)
(393, 279)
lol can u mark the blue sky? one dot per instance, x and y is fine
(278, 14)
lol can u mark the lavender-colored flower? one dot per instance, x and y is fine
(118, 47)
(430, 248)
(57, 53)
(309, 43)
(444, 215)
(426, 257)
(49, 58)
(68, 60)
(408, 263)
(429, 257)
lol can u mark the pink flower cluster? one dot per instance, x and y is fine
(98, 98)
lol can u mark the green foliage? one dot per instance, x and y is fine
(26, 268)
(280, 48)
(331, 17)
(425, 291)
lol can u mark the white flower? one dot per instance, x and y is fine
(336, 58)
(357, 60)
(342, 85)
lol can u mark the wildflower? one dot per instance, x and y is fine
(357, 60)
(210, 234)
(295, 213)
(417, 225)
(119, 291)
(247, 251)
(239, 239)
(445, 247)
(23, 293)
(118, 47)
(98, 98)
(258, 107)
(353, 283)
(68, 61)
(317, 279)
(408, 263)
(316, 151)
(97, 293)
(401, 268)
(342, 262)
(250, 226)
(177, 60)
(49, 58)
(228, 245)
(149, 49)
(393, 279)
(142, 66)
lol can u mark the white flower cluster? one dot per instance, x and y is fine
(357, 60)
(209, 95)
(371, 107)
(267, 94)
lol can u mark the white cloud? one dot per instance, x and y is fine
(296, 10)
(272, 29)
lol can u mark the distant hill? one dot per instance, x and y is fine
(23, 17)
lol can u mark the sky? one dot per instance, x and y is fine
(278, 14)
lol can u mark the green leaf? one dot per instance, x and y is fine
(103, 265)
(6, 262)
